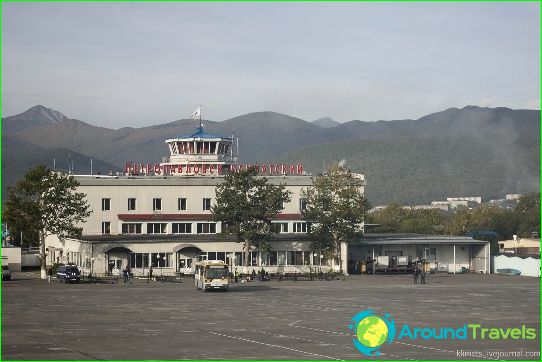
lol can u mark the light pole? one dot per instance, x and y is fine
(232, 255)
(321, 258)
(164, 258)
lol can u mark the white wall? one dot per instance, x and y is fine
(14, 257)
(529, 267)
(30, 259)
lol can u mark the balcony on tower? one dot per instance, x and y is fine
(203, 149)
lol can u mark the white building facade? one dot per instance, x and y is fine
(159, 216)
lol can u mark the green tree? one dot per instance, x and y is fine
(336, 209)
(46, 201)
(390, 218)
(245, 205)
(528, 214)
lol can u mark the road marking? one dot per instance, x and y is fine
(404, 343)
(314, 329)
(275, 346)
(324, 343)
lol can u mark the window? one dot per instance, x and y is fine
(290, 257)
(264, 258)
(182, 228)
(432, 254)
(206, 228)
(161, 260)
(253, 258)
(181, 204)
(156, 228)
(106, 227)
(239, 257)
(131, 204)
(302, 204)
(426, 252)
(281, 257)
(106, 204)
(298, 258)
(139, 260)
(131, 228)
(206, 204)
(301, 227)
(280, 227)
(156, 204)
(307, 257)
(273, 257)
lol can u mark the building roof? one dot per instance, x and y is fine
(200, 133)
(394, 239)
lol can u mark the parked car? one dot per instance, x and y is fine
(68, 273)
(6, 273)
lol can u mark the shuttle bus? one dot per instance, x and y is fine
(211, 274)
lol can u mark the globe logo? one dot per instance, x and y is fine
(372, 331)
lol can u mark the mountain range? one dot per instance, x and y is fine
(472, 151)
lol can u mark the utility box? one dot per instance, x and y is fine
(382, 262)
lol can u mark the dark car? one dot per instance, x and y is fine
(68, 273)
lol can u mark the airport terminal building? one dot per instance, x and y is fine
(159, 215)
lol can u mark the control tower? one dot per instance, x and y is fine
(202, 149)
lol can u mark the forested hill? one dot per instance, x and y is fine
(412, 170)
(472, 151)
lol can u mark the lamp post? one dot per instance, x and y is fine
(158, 262)
(232, 255)
(164, 258)
(321, 260)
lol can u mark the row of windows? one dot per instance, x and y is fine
(267, 258)
(181, 204)
(256, 259)
(186, 228)
(156, 260)
(156, 204)
(161, 228)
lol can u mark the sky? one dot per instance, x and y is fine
(140, 64)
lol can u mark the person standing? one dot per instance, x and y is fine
(150, 273)
(49, 274)
(128, 272)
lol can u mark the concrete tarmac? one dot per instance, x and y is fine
(262, 320)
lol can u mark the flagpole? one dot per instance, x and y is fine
(200, 116)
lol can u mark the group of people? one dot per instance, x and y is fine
(127, 274)
(419, 273)
(262, 275)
